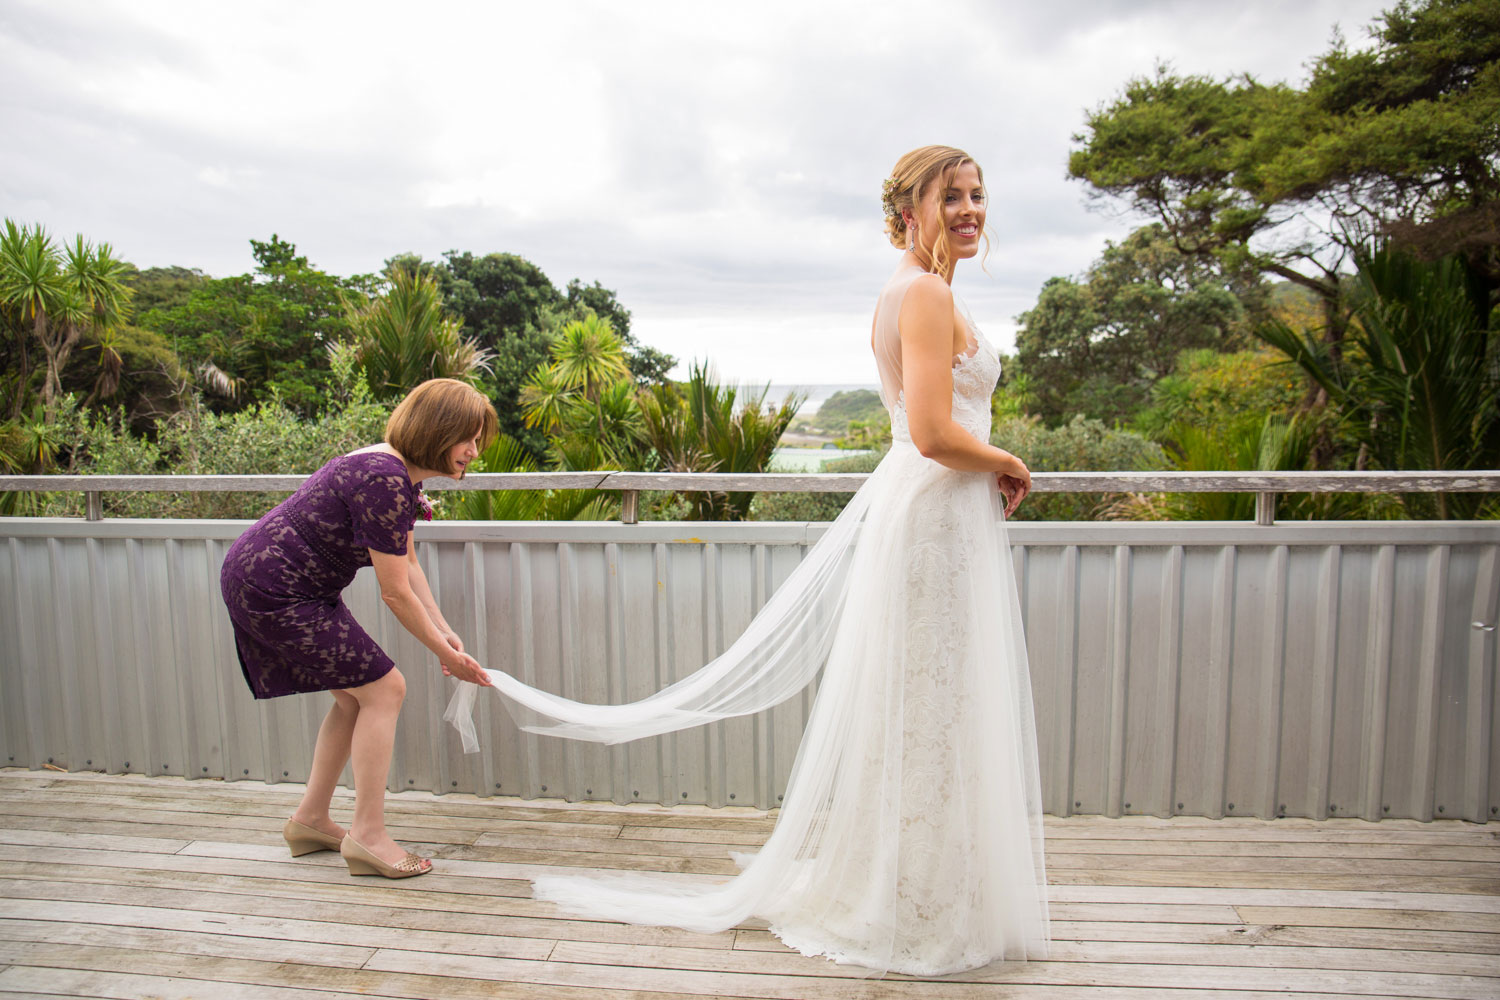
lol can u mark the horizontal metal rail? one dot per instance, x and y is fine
(1266, 485)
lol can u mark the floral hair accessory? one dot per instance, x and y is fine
(426, 506)
(888, 195)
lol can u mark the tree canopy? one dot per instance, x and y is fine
(1097, 346)
(1292, 180)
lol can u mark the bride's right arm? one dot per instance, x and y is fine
(927, 333)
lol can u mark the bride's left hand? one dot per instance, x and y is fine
(1014, 490)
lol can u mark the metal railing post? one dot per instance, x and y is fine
(1265, 508)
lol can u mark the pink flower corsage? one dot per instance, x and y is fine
(426, 505)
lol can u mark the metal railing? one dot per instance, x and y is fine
(1265, 485)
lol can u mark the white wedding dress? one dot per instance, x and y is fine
(909, 838)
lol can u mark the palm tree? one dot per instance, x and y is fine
(1418, 380)
(506, 454)
(60, 296)
(698, 427)
(589, 356)
(404, 337)
(585, 400)
(31, 288)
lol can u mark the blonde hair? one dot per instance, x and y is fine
(912, 176)
(437, 415)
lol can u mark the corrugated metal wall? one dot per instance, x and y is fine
(1198, 669)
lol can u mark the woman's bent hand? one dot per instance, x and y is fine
(465, 668)
(1014, 480)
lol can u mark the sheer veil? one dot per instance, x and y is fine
(777, 656)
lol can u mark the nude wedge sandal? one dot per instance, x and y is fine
(302, 839)
(362, 861)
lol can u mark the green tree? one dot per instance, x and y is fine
(403, 337)
(249, 336)
(31, 289)
(584, 400)
(1418, 384)
(162, 287)
(1097, 347)
(56, 297)
(703, 426)
(1293, 181)
(506, 454)
(1211, 389)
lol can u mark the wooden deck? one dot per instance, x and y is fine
(140, 887)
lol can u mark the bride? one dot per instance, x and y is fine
(909, 838)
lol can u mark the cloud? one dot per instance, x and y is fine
(718, 166)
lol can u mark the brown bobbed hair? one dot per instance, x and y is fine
(437, 415)
(915, 174)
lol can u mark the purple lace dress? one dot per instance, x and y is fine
(284, 577)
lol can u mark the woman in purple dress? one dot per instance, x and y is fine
(282, 580)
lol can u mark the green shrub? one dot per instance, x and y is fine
(1084, 445)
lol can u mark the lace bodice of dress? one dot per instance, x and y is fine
(975, 372)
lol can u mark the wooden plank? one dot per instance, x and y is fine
(1211, 866)
(446, 912)
(1447, 902)
(1394, 885)
(32, 981)
(708, 967)
(1381, 919)
(183, 942)
(470, 940)
(1237, 934)
(363, 982)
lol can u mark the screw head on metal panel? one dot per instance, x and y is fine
(636, 794)
(1385, 809)
(731, 795)
(205, 770)
(127, 763)
(588, 791)
(247, 770)
(49, 760)
(497, 784)
(455, 784)
(1231, 807)
(684, 794)
(1179, 805)
(1077, 805)
(1440, 808)
(544, 788)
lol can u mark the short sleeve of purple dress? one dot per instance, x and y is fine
(283, 579)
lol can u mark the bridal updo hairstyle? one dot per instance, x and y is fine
(437, 415)
(913, 175)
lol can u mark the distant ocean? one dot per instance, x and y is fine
(817, 395)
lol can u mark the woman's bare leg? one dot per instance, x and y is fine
(329, 758)
(374, 739)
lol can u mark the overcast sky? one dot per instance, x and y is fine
(718, 166)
